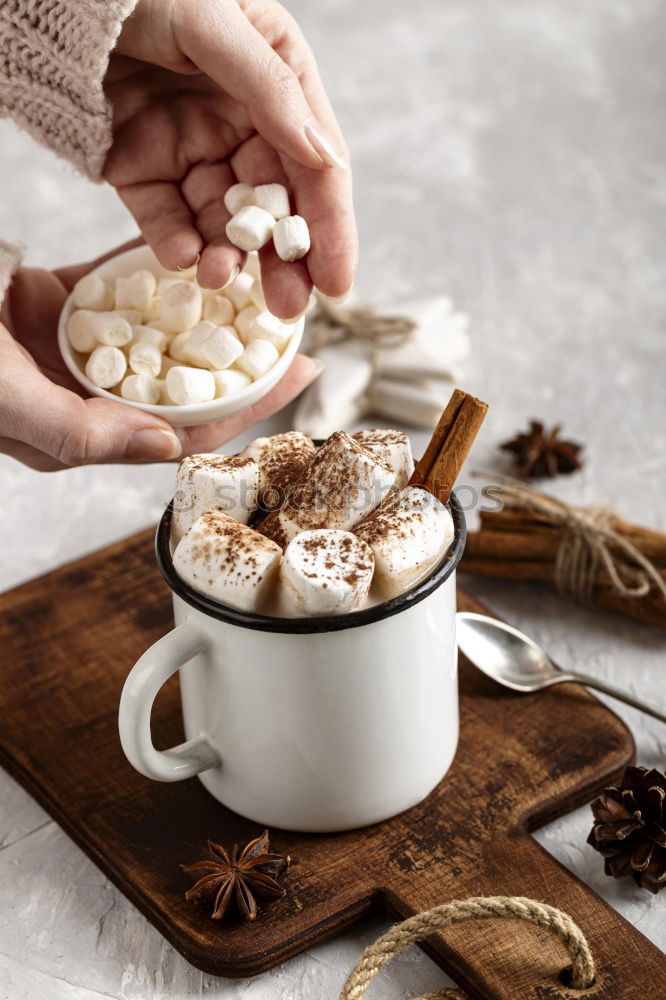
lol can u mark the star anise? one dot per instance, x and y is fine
(630, 828)
(235, 879)
(539, 452)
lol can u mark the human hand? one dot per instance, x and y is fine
(48, 423)
(206, 93)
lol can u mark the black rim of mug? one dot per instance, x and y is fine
(302, 626)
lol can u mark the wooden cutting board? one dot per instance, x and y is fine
(68, 641)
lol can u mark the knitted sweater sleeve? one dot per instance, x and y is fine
(53, 58)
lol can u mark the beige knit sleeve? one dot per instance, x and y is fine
(53, 58)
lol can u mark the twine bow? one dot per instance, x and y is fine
(477, 907)
(335, 325)
(589, 542)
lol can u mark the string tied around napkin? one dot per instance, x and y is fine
(335, 325)
(589, 542)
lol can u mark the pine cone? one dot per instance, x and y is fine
(630, 828)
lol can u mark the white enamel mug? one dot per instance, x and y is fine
(309, 724)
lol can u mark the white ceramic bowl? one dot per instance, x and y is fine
(178, 416)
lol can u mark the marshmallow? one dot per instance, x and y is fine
(145, 359)
(230, 381)
(243, 322)
(273, 198)
(153, 310)
(252, 265)
(257, 297)
(106, 327)
(227, 483)
(257, 358)
(165, 399)
(250, 228)
(180, 307)
(343, 483)
(291, 237)
(268, 327)
(92, 292)
(408, 535)
(393, 447)
(178, 347)
(136, 291)
(150, 335)
(239, 291)
(106, 366)
(325, 572)
(237, 197)
(141, 389)
(282, 459)
(165, 283)
(228, 561)
(80, 332)
(190, 385)
(219, 310)
(167, 364)
(133, 316)
(213, 347)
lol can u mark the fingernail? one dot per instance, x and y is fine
(337, 300)
(232, 277)
(153, 446)
(318, 366)
(323, 145)
(186, 267)
(295, 319)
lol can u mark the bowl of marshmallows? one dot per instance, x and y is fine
(134, 332)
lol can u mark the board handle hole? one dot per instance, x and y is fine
(566, 978)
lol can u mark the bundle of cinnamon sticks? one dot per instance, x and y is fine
(515, 543)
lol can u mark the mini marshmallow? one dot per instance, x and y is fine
(92, 292)
(106, 327)
(165, 283)
(141, 389)
(291, 237)
(214, 347)
(257, 297)
(218, 309)
(190, 385)
(133, 316)
(270, 328)
(106, 366)
(239, 291)
(180, 307)
(153, 310)
(80, 332)
(227, 483)
(393, 447)
(342, 484)
(243, 322)
(145, 359)
(273, 198)
(167, 364)
(325, 572)
(282, 459)
(150, 335)
(257, 358)
(228, 561)
(408, 534)
(165, 399)
(229, 381)
(250, 228)
(237, 197)
(178, 347)
(136, 291)
(252, 265)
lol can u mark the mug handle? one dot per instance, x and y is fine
(146, 677)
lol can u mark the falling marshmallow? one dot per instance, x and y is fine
(291, 237)
(250, 228)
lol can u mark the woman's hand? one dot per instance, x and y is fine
(207, 93)
(47, 422)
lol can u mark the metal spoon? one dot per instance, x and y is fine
(511, 659)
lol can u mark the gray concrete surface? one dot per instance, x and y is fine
(513, 155)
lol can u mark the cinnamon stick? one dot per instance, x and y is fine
(451, 441)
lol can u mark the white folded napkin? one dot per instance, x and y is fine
(409, 382)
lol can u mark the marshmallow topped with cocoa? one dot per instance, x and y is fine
(228, 561)
(325, 572)
(227, 483)
(342, 484)
(281, 460)
(408, 535)
(393, 447)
